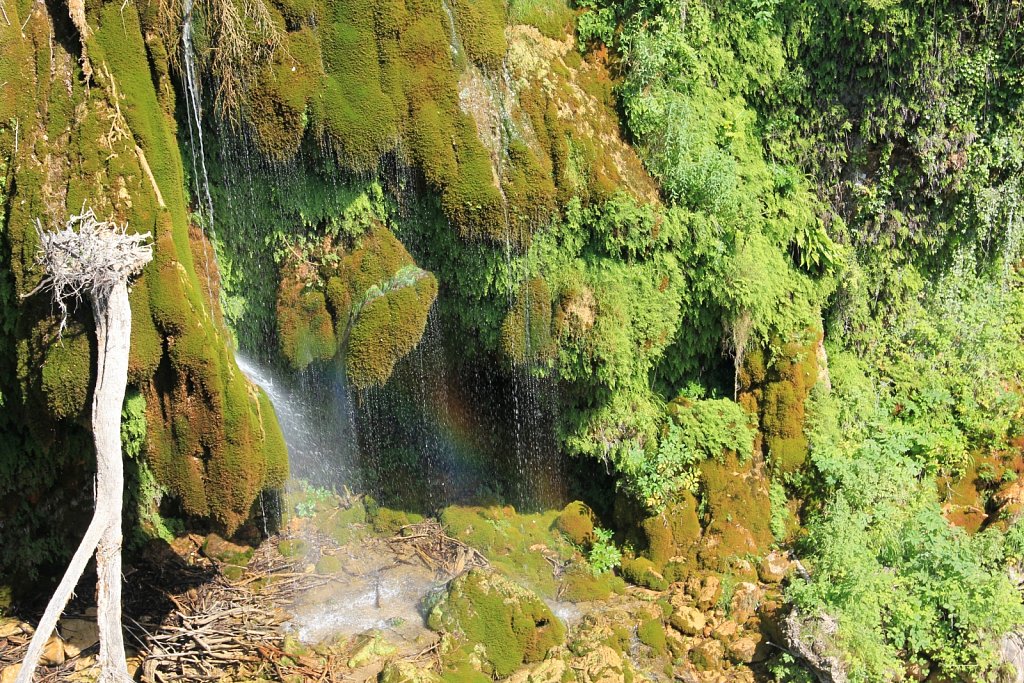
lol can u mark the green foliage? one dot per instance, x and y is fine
(504, 623)
(312, 498)
(695, 431)
(552, 17)
(603, 555)
(902, 582)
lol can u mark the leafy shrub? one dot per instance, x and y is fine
(603, 556)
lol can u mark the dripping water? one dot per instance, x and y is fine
(194, 114)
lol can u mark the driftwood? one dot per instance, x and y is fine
(95, 259)
(439, 551)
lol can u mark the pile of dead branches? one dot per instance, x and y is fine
(439, 551)
(216, 630)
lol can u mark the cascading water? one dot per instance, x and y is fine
(194, 107)
(315, 416)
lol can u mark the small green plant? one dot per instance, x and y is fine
(314, 496)
(603, 555)
(780, 510)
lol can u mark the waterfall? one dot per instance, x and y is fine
(316, 420)
(194, 114)
(453, 36)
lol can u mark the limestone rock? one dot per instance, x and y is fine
(813, 639)
(774, 567)
(707, 656)
(53, 652)
(745, 601)
(374, 648)
(709, 593)
(1011, 651)
(688, 620)
(600, 665)
(548, 671)
(742, 650)
(79, 634)
(725, 631)
(9, 627)
(406, 672)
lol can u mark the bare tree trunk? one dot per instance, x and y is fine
(113, 333)
(113, 316)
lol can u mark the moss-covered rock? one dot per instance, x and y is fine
(652, 634)
(217, 548)
(328, 564)
(576, 521)
(739, 513)
(293, 548)
(673, 532)
(641, 572)
(579, 584)
(500, 621)
(368, 300)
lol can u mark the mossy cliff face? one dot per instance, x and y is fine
(111, 145)
(485, 112)
(500, 624)
(775, 387)
(369, 301)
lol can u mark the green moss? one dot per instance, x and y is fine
(576, 521)
(779, 392)
(652, 634)
(293, 548)
(739, 510)
(674, 531)
(328, 564)
(526, 332)
(508, 624)
(554, 18)
(463, 672)
(389, 522)
(481, 27)
(580, 585)
(305, 328)
(146, 343)
(641, 572)
(67, 374)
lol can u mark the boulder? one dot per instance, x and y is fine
(406, 672)
(813, 639)
(226, 552)
(548, 671)
(9, 627)
(742, 650)
(688, 620)
(707, 656)
(600, 665)
(79, 634)
(745, 600)
(1011, 651)
(774, 567)
(507, 624)
(374, 648)
(709, 593)
(725, 631)
(53, 652)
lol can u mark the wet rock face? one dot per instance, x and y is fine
(500, 624)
